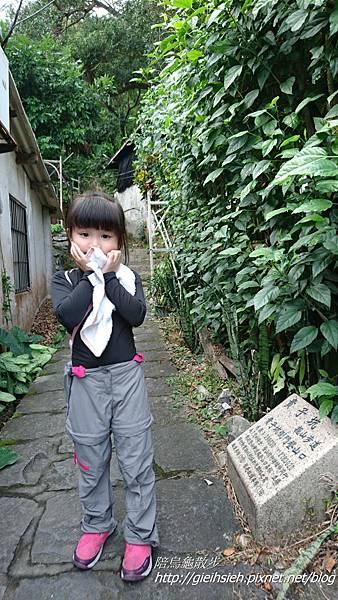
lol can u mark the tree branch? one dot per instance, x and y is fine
(12, 27)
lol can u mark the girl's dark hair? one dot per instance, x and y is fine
(100, 211)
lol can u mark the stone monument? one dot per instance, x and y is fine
(276, 465)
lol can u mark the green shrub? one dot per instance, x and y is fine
(238, 134)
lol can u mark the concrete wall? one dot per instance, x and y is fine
(135, 210)
(14, 181)
(4, 90)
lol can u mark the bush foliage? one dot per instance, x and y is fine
(238, 133)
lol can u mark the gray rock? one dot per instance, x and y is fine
(159, 369)
(145, 344)
(222, 458)
(3, 585)
(157, 387)
(48, 402)
(193, 516)
(30, 427)
(16, 515)
(236, 426)
(33, 461)
(203, 393)
(156, 355)
(181, 447)
(164, 412)
(225, 396)
(66, 446)
(72, 586)
(48, 383)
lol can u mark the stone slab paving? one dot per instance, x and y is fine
(173, 453)
(53, 402)
(164, 411)
(41, 511)
(32, 427)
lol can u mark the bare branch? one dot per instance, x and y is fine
(36, 12)
(11, 29)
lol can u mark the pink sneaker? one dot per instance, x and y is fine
(137, 562)
(89, 549)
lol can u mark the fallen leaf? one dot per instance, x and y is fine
(329, 563)
(228, 551)
(267, 586)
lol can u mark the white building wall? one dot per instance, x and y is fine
(135, 210)
(4, 90)
(14, 181)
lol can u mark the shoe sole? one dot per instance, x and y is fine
(137, 577)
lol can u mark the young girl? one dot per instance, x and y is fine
(106, 393)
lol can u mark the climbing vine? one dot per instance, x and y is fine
(7, 289)
(238, 133)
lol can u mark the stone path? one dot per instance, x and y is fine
(40, 510)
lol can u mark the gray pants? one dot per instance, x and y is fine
(101, 401)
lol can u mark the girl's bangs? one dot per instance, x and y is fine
(96, 214)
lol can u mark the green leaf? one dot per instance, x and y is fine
(333, 112)
(182, 3)
(274, 213)
(321, 293)
(247, 285)
(294, 21)
(307, 101)
(194, 55)
(320, 265)
(327, 186)
(230, 252)
(7, 398)
(334, 415)
(313, 219)
(289, 316)
(267, 146)
(250, 98)
(266, 312)
(264, 296)
(316, 205)
(329, 329)
(323, 388)
(232, 75)
(290, 140)
(291, 120)
(213, 176)
(7, 456)
(309, 161)
(228, 159)
(331, 245)
(287, 85)
(215, 14)
(304, 337)
(260, 168)
(334, 21)
(325, 408)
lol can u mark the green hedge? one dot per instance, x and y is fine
(239, 134)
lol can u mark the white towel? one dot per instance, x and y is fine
(98, 326)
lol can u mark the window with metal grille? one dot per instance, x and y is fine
(19, 245)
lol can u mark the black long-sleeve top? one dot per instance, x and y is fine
(71, 302)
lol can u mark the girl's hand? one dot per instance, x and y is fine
(78, 256)
(113, 261)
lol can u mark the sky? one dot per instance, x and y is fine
(4, 4)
